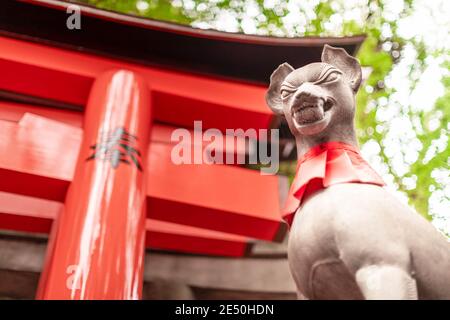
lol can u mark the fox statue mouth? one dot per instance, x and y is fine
(311, 117)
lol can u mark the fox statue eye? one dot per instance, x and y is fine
(286, 90)
(285, 93)
(330, 75)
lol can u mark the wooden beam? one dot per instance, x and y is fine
(250, 274)
(177, 98)
(27, 114)
(26, 214)
(23, 284)
(37, 159)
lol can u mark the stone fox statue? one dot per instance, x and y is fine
(349, 237)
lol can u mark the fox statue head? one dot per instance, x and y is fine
(317, 100)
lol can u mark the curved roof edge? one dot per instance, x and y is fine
(240, 57)
(196, 32)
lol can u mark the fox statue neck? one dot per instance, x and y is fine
(340, 133)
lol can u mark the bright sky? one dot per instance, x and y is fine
(429, 22)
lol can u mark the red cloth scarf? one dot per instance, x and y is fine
(324, 165)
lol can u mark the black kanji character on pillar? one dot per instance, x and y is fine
(116, 146)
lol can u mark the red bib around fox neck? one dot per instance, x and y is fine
(324, 165)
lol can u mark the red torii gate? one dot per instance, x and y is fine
(96, 246)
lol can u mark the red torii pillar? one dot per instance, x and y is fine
(96, 250)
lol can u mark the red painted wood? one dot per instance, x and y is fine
(178, 98)
(164, 235)
(29, 114)
(14, 112)
(97, 250)
(27, 214)
(37, 159)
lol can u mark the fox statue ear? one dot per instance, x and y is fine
(339, 58)
(273, 95)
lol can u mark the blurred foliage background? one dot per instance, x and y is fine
(403, 106)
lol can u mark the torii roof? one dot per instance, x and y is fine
(235, 56)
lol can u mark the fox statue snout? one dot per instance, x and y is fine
(349, 237)
(310, 109)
